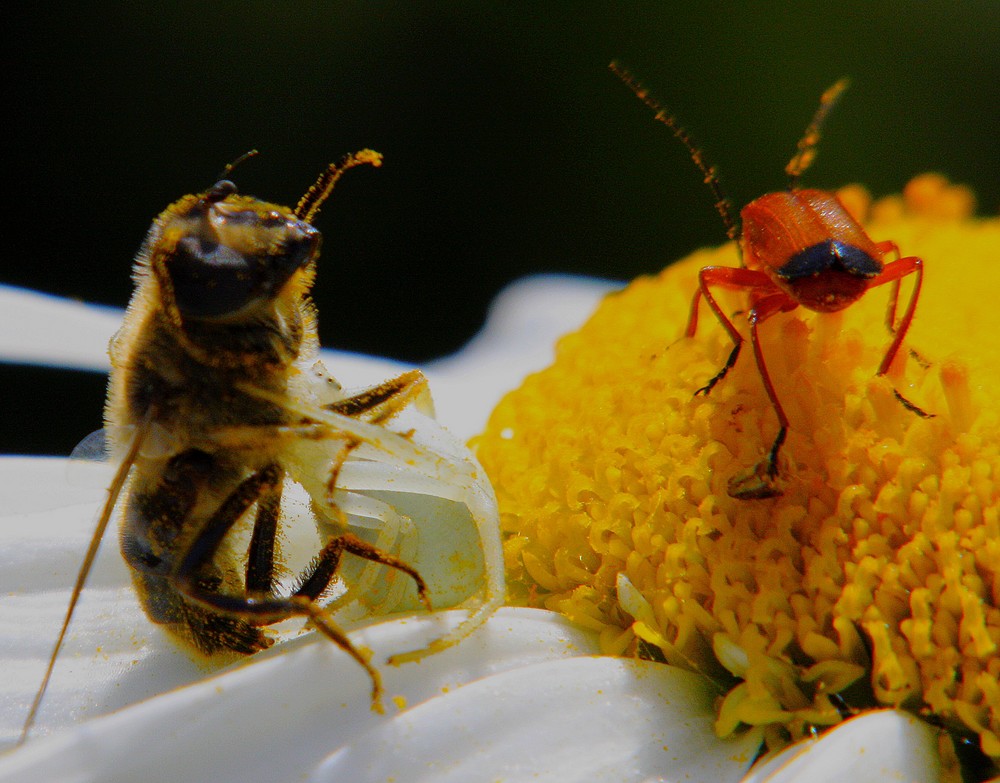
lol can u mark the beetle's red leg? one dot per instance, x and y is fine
(890, 316)
(758, 482)
(893, 272)
(766, 300)
(763, 309)
(727, 277)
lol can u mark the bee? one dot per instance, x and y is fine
(217, 401)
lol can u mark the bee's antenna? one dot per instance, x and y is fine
(806, 152)
(230, 166)
(722, 204)
(320, 190)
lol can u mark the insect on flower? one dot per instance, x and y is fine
(797, 247)
(217, 405)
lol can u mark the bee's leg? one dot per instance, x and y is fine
(150, 530)
(268, 609)
(396, 534)
(264, 485)
(260, 556)
(376, 406)
(380, 403)
(314, 582)
(121, 476)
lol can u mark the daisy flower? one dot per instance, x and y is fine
(870, 584)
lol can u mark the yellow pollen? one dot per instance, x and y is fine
(873, 580)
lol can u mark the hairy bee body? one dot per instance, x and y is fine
(217, 401)
(186, 374)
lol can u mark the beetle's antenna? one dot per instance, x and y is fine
(806, 152)
(95, 542)
(224, 174)
(320, 190)
(722, 204)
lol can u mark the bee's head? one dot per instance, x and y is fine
(222, 256)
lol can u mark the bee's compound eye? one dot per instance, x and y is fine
(210, 279)
(220, 191)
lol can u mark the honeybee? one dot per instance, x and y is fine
(217, 404)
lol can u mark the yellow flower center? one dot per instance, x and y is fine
(874, 579)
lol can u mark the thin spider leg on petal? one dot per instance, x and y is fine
(397, 534)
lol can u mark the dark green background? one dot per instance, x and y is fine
(509, 147)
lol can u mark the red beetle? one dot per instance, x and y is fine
(798, 247)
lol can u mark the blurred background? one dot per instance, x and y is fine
(509, 146)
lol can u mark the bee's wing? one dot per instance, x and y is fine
(89, 462)
(100, 449)
(93, 448)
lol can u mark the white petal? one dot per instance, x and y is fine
(586, 719)
(274, 718)
(871, 748)
(41, 329)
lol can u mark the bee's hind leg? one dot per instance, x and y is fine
(266, 608)
(260, 555)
